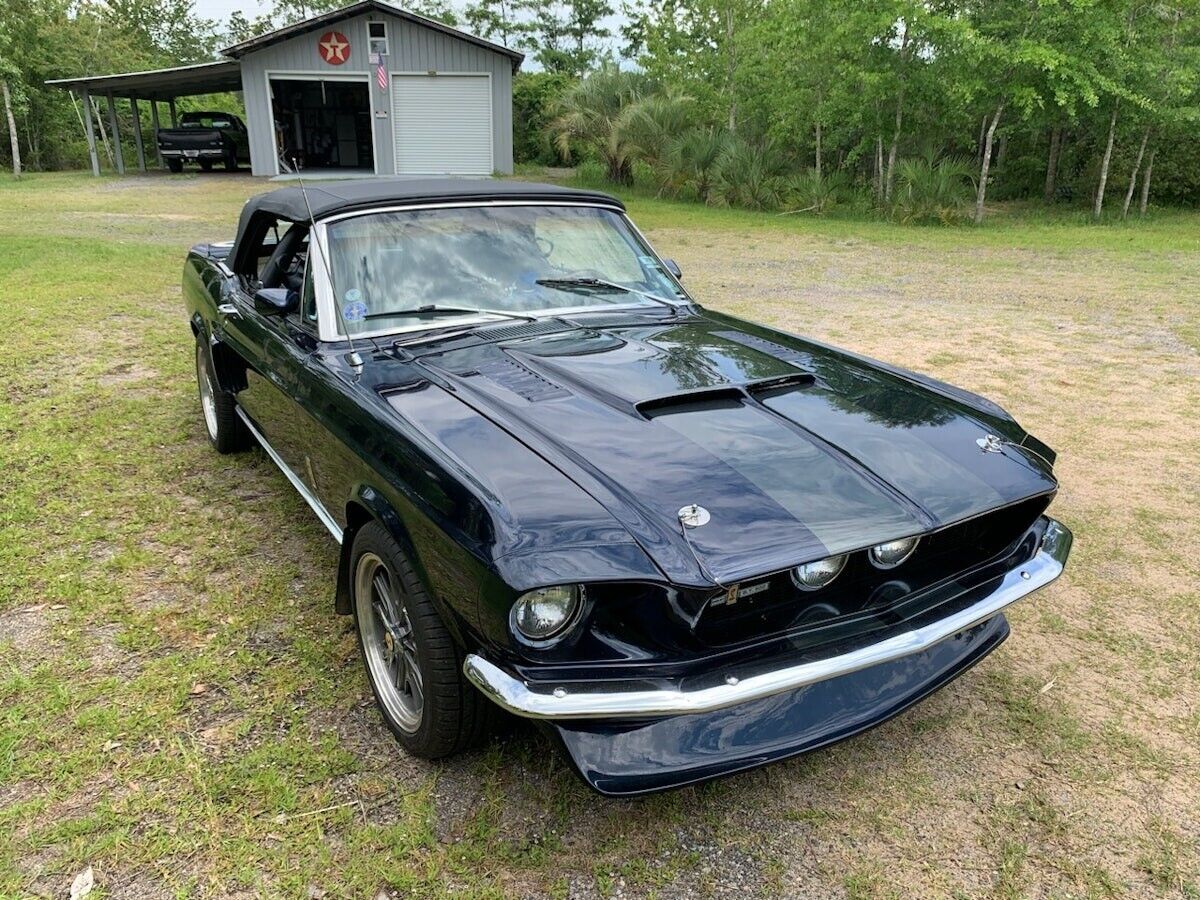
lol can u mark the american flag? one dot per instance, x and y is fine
(381, 73)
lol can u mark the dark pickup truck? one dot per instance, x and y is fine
(205, 138)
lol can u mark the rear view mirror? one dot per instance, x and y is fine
(673, 268)
(275, 301)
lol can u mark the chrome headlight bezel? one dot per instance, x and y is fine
(873, 554)
(521, 626)
(838, 563)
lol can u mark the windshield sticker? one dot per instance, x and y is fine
(353, 307)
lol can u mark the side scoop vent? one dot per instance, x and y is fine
(797, 358)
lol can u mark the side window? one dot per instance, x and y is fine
(377, 35)
(308, 299)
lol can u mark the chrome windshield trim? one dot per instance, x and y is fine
(722, 690)
(309, 497)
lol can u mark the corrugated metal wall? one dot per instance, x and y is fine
(413, 48)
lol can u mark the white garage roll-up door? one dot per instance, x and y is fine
(442, 124)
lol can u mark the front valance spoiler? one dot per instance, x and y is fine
(614, 701)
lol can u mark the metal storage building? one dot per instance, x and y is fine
(366, 88)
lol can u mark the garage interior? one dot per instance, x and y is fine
(322, 124)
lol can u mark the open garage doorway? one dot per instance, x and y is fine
(323, 125)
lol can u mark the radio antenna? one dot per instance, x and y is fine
(353, 357)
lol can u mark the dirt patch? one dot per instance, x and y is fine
(126, 373)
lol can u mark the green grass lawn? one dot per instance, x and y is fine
(181, 710)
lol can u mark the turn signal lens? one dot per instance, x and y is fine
(815, 575)
(543, 613)
(891, 554)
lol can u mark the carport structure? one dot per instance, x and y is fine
(154, 86)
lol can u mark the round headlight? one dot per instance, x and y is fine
(891, 554)
(814, 575)
(543, 613)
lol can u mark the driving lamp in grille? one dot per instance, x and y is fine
(891, 554)
(815, 575)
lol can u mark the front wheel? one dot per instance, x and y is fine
(206, 165)
(231, 163)
(412, 662)
(226, 431)
(175, 165)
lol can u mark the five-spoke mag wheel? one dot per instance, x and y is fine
(411, 659)
(388, 642)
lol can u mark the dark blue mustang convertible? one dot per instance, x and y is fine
(683, 543)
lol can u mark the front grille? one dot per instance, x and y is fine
(862, 588)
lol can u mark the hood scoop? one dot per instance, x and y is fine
(722, 395)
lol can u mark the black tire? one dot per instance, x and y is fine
(231, 164)
(453, 714)
(225, 429)
(175, 165)
(206, 165)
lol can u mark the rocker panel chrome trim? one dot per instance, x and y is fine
(600, 701)
(309, 497)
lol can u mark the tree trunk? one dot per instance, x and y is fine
(879, 167)
(1133, 176)
(12, 129)
(982, 134)
(889, 177)
(818, 149)
(1146, 185)
(732, 69)
(1052, 164)
(1001, 151)
(1112, 130)
(981, 191)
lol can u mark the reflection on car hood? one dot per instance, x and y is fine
(796, 450)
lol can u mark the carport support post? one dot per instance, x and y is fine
(174, 118)
(154, 126)
(116, 134)
(137, 134)
(91, 132)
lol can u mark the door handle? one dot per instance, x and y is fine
(229, 311)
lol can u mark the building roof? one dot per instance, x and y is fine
(162, 84)
(226, 74)
(237, 51)
(328, 198)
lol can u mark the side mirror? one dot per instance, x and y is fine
(275, 301)
(673, 268)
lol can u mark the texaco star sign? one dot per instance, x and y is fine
(334, 48)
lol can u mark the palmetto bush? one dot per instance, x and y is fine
(690, 162)
(930, 190)
(592, 116)
(815, 192)
(748, 175)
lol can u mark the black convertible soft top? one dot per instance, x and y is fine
(330, 197)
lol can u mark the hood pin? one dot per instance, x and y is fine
(990, 444)
(693, 516)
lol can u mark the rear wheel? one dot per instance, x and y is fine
(206, 165)
(175, 165)
(412, 662)
(231, 162)
(226, 431)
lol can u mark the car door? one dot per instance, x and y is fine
(274, 347)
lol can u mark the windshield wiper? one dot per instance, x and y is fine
(432, 309)
(586, 283)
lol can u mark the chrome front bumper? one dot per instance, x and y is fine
(715, 691)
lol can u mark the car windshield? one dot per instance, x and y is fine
(395, 271)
